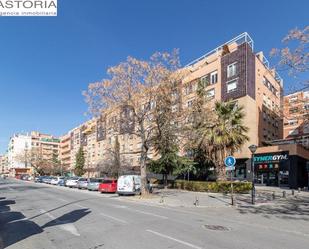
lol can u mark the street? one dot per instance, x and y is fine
(43, 216)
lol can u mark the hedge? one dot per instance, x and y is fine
(220, 186)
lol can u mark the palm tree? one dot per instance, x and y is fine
(226, 135)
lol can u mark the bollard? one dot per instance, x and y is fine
(284, 194)
(292, 191)
(196, 202)
(273, 195)
(298, 190)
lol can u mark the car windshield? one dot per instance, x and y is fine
(94, 180)
(82, 180)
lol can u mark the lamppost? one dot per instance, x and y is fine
(253, 149)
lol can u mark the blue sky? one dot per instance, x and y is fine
(46, 62)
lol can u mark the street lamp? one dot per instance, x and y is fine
(253, 149)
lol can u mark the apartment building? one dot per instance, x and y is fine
(47, 145)
(18, 150)
(22, 147)
(232, 71)
(4, 169)
(65, 151)
(296, 115)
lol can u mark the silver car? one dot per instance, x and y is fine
(82, 183)
(72, 182)
(93, 184)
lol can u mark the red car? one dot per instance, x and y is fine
(108, 186)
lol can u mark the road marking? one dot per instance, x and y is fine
(81, 206)
(151, 214)
(114, 218)
(69, 227)
(138, 211)
(11, 222)
(174, 239)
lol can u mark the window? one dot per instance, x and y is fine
(231, 70)
(293, 110)
(293, 132)
(189, 88)
(292, 122)
(264, 99)
(205, 80)
(214, 77)
(293, 99)
(190, 103)
(306, 106)
(174, 108)
(306, 128)
(264, 115)
(231, 86)
(210, 93)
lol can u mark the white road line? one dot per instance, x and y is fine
(17, 221)
(114, 218)
(81, 206)
(138, 211)
(174, 239)
(151, 214)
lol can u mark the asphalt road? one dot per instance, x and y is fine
(38, 216)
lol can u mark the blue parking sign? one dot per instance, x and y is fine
(230, 161)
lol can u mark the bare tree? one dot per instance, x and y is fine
(34, 158)
(294, 57)
(131, 91)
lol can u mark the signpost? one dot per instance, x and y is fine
(230, 162)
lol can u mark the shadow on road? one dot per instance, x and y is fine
(70, 217)
(15, 227)
(296, 209)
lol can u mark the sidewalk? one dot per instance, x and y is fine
(182, 198)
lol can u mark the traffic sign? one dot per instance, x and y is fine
(230, 161)
(229, 168)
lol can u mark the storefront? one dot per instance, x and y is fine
(272, 169)
(279, 165)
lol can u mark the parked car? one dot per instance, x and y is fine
(24, 177)
(72, 182)
(47, 179)
(93, 184)
(39, 178)
(82, 183)
(129, 185)
(108, 186)
(62, 181)
(55, 180)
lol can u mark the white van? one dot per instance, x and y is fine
(129, 184)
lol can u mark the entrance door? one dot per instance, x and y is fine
(262, 178)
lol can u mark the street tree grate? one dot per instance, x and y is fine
(216, 227)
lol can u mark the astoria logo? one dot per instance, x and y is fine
(28, 7)
(28, 4)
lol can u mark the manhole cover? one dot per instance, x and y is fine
(216, 227)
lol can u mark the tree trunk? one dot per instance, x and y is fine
(144, 190)
(221, 167)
